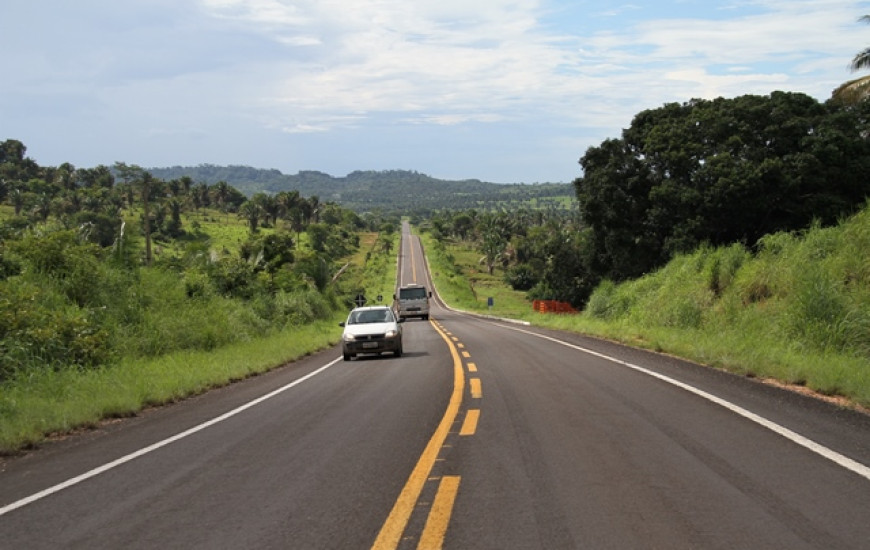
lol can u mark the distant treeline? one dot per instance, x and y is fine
(403, 192)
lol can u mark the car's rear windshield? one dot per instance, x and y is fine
(412, 293)
(371, 316)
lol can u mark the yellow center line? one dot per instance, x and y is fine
(476, 391)
(393, 528)
(472, 367)
(413, 261)
(439, 517)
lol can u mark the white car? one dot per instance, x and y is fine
(372, 329)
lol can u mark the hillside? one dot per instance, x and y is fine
(389, 191)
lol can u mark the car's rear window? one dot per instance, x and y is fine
(371, 316)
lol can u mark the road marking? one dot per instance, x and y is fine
(830, 454)
(413, 262)
(476, 391)
(472, 367)
(469, 425)
(439, 517)
(466, 355)
(160, 444)
(393, 528)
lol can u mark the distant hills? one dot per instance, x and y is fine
(387, 191)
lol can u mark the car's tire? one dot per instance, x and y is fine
(347, 356)
(399, 352)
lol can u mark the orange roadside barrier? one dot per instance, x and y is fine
(552, 306)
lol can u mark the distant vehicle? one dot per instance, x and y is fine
(371, 329)
(413, 301)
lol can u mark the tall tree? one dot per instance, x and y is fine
(858, 89)
(251, 212)
(146, 182)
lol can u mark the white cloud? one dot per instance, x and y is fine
(343, 73)
(494, 57)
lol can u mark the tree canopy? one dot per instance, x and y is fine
(720, 171)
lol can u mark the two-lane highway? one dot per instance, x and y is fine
(485, 434)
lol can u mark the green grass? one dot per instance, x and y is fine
(465, 284)
(379, 268)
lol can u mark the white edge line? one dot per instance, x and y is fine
(830, 454)
(145, 450)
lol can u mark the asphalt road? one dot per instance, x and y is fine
(485, 434)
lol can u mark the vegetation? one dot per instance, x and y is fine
(701, 174)
(86, 301)
(388, 192)
(718, 172)
(541, 252)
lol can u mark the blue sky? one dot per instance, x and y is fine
(499, 90)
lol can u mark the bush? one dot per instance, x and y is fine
(521, 277)
(40, 329)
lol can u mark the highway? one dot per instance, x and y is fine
(484, 434)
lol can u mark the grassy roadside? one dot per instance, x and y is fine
(769, 317)
(59, 401)
(465, 285)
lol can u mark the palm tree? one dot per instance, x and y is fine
(251, 212)
(858, 89)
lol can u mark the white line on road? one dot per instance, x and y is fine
(795, 437)
(124, 459)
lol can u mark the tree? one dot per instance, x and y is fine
(221, 191)
(718, 172)
(251, 212)
(858, 89)
(146, 181)
(494, 236)
(269, 207)
(287, 201)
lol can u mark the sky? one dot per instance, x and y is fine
(505, 91)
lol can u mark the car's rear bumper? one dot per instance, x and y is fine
(372, 346)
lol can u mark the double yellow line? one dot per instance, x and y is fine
(439, 515)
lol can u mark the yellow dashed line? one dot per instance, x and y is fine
(469, 425)
(476, 391)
